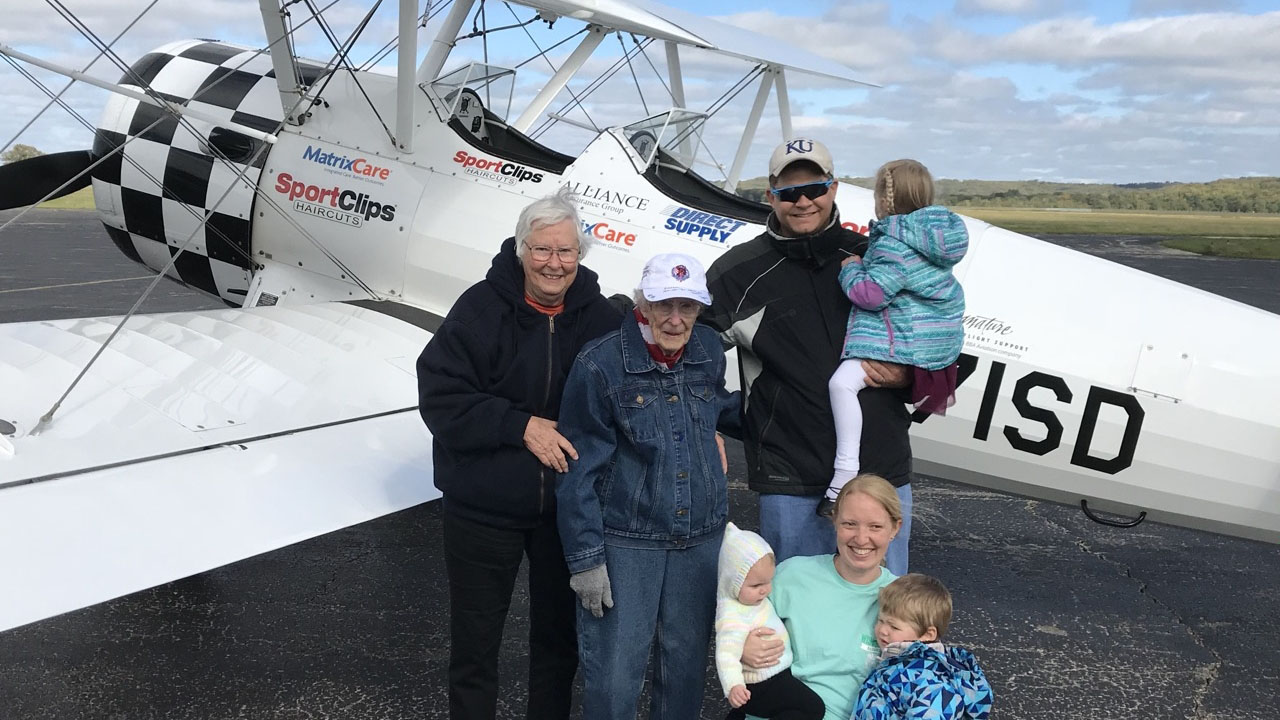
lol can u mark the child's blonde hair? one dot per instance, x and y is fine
(878, 489)
(920, 600)
(904, 186)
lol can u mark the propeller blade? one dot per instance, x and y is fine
(28, 181)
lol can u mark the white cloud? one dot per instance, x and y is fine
(857, 35)
(1156, 7)
(1080, 42)
(1009, 7)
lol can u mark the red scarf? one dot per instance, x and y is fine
(656, 352)
(544, 309)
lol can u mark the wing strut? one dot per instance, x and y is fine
(282, 61)
(179, 110)
(406, 81)
(443, 44)
(749, 132)
(676, 75)
(784, 103)
(595, 34)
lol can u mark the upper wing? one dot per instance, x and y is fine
(199, 439)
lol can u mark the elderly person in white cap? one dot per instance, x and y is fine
(643, 508)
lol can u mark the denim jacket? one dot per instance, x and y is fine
(648, 473)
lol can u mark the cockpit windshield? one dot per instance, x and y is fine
(466, 91)
(678, 132)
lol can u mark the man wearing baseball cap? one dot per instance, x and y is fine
(778, 300)
(642, 510)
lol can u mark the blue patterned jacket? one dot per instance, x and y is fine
(925, 682)
(908, 307)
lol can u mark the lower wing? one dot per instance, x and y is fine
(199, 439)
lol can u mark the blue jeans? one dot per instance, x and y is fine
(896, 557)
(667, 595)
(791, 526)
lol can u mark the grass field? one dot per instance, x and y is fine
(1268, 248)
(1244, 235)
(78, 200)
(1121, 222)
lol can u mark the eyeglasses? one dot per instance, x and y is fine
(793, 193)
(543, 253)
(688, 309)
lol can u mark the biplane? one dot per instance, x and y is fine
(339, 210)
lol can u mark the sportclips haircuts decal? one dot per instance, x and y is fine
(700, 225)
(358, 167)
(335, 204)
(503, 171)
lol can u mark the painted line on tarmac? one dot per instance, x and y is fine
(79, 284)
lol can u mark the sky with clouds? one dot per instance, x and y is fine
(1079, 90)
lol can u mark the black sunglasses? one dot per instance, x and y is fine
(793, 193)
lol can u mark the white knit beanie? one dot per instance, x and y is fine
(739, 552)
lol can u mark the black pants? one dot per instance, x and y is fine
(482, 563)
(782, 697)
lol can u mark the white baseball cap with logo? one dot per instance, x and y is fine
(674, 275)
(797, 150)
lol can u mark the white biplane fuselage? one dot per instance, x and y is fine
(202, 438)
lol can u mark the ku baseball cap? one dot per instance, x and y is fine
(674, 275)
(797, 150)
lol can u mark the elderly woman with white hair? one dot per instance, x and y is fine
(643, 508)
(489, 386)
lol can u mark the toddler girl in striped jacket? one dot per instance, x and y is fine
(907, 306)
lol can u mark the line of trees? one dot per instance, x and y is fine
(1242, 195)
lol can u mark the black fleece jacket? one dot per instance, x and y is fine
(494, 362)
(779, 301)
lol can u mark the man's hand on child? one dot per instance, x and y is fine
(851, 258)
(885, 375)
(739, 695)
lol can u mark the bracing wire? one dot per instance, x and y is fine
(670, 94)
(595, 84)
(71, 82)
(634, 79)
(543, 54)
(106, 50)
(342, 49)
(378, 56)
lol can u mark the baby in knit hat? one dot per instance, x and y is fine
(742, 604)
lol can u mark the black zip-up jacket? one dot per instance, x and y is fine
(494, 362)
(779, 301)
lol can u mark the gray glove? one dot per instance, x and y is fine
(593, 589)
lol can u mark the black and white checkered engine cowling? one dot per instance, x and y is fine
(167, 186)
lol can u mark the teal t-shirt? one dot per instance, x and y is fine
(832, 626)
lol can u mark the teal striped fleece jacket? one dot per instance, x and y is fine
(907, 306)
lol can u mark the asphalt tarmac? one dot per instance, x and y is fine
(1070, 619)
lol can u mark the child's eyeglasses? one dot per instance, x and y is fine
(793, 193)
